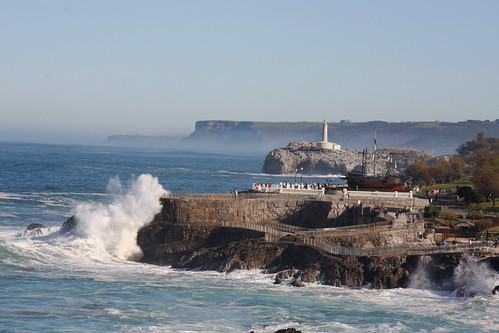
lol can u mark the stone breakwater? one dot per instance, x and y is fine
(302, 212)
(314, 160)
(189, 233)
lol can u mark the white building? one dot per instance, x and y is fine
(324, 144)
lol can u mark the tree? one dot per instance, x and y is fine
(472, 150)
(447, 215)
(470, 196)
(457, 166)
(486, 176)
(440, 171)
(419, 171)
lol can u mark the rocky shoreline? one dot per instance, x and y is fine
(225, 249)
(179, 238)
(315, 160)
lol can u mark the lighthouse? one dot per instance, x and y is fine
(325, 144)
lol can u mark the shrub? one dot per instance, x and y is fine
(477, 215)
(495, 221)
(447, 215)
(470, 195)
(483, 225)
(431, 211)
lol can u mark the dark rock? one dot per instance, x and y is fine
(297, 283)
(493, 263)
(309, 274)
(34, 229)
(284, 275)
(34, 226)
(68, 225)
(277, 280)
(288, 330)
(212, 247)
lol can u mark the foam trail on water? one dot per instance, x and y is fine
(114, 227)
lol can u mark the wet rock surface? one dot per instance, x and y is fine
(225, 249)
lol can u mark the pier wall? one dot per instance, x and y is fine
(298, 211)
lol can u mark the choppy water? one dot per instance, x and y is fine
(51, 282)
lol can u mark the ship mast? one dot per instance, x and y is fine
(374, 156)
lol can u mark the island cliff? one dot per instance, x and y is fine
(314, 160)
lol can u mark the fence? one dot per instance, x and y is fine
(377, 194)
(273, 234)
(244, 195)
(333, 248)
(270, 233)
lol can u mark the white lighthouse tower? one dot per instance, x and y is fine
(324, 144)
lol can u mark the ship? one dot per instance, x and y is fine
(390, 180)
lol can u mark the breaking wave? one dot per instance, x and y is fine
(114, 227)
(474, 278)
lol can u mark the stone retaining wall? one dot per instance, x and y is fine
(383, 238)
(299, 211)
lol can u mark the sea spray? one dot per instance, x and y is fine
(473, 277)
(419, 279)
(467, 277)
(114, 227)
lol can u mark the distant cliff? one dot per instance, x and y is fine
(133, 139)
(313, 160)
(434, 137)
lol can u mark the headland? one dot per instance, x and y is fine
(312, 159)
(300, 239)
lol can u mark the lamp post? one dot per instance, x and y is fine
(296, 170)
(301, 175)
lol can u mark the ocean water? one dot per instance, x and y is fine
(86, 282)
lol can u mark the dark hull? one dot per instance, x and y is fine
(386, 182)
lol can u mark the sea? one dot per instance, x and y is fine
(90, 281)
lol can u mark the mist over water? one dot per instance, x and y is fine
(114, 227)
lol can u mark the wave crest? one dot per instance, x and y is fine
(114, 227)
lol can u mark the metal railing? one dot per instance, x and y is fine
(273, 234)
(379, 194)
(276, 196)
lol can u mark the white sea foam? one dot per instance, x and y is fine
(261, 174)
(114, 227)
(10, 196)
(475, 277)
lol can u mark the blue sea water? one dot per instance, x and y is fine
(51, 282)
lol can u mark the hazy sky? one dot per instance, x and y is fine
(96, 68)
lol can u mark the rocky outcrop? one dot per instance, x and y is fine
(189, 233)
(225, 249)
(314, 160)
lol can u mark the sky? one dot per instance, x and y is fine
(74, 71)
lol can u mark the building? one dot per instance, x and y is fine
(324, 144)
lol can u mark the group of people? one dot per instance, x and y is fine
(444, 243)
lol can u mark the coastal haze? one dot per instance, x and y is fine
(133, 139)
(436, 138)
(77, 72)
